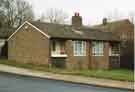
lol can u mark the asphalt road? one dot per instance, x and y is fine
(15, 83)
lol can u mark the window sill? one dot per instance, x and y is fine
(115, 55)
(97, 55)
(58, 55)
(79, 55)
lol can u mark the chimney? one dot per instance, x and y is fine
(104, 21)
(76, 21)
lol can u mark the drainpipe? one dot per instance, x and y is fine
(49, 59)
(89, 53)
(119, 54)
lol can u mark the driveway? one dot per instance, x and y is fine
(16, 83)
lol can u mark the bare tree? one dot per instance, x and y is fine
(8, 12)
(132, 17)
(14, 12)
(114, 15)
(54, 15)
(42, 18)
(24, 11)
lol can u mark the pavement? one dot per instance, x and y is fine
(69, 78)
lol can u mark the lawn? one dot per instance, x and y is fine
(115, 74)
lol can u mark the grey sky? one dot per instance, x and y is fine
(92, 11)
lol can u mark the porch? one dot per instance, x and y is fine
(58, 54)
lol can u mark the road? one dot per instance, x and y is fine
(16, 83)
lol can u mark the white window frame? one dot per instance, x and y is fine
(111, 52)
(79, 49)
(97, 48)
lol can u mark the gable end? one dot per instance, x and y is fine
(30, 25)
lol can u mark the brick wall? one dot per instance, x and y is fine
(77, 62)
(88, 61)
(29, 46)
(101, 62)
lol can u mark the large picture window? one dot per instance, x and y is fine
(79, 48)
(97, 48)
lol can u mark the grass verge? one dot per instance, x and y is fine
(115, 74)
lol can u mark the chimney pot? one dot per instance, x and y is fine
(77, 14)
(104, 21)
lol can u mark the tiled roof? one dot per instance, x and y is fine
(67, 32)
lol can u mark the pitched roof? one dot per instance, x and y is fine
(67, 32)
(114, 26)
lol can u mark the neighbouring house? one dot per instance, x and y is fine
(71, 46)
(124, 29)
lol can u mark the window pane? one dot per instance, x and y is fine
(97, 48)
(115, 49)
(79, 48)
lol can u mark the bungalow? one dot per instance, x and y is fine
(71, 46)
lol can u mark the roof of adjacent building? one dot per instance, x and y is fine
(68, 32)
(114, 26)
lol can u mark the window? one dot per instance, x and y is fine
(79, 48)
(124, 36)
(57, 47)
(114, 50)
(97, 48)
(62, 49)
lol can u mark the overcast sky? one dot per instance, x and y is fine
(92, 11)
